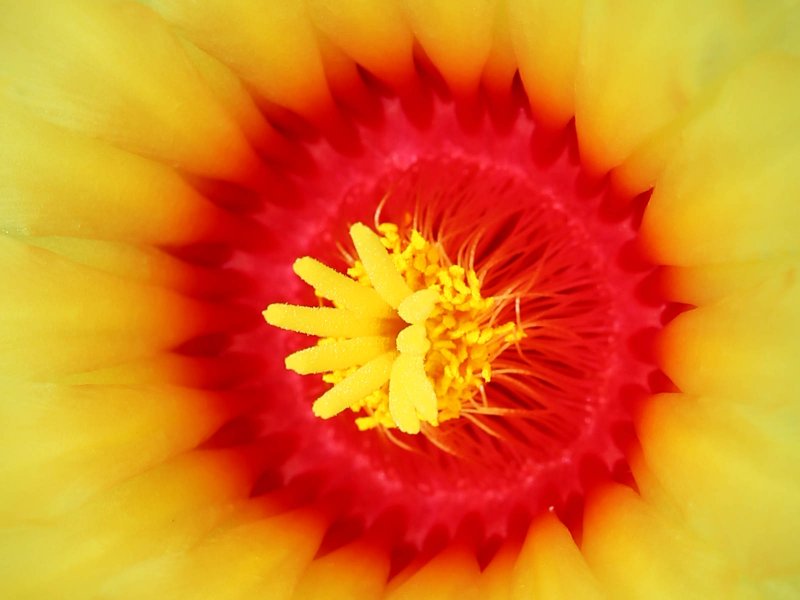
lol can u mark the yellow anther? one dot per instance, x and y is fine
(460, 286)
(417, 241)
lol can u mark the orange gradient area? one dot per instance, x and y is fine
(163, 163)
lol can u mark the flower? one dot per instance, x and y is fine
(165, 163)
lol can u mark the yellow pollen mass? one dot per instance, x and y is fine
(413, 340)
(417, 307)
(406, 340)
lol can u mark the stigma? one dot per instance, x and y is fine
(406, 340)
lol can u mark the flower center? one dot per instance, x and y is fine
(439, 361)
(506, 288)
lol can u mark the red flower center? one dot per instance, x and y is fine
(493, 184)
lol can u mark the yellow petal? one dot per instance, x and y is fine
(456, 36)
(136, 263)
(635, 552)
(643, 167)
(374, 33)
(62, 444)
(733, 472)
(162, 369)
(708, 284)
(501, 64)
(546, 37)
(636, 75)
(102, 192)
(344, 78)
(650, 488)
(231, 93)
(496, 579)
(550, 565)
(113, 70)
(277, 568)
(357, 571)
(451, 575)
(60, 317)
(164, 511)
(238, 562)
(269, 44)
(729, 192)
(744, 347)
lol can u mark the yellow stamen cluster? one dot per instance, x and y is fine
(409, 338)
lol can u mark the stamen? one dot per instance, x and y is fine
(433, 346)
